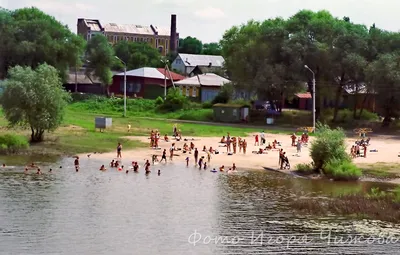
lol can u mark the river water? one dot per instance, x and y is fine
(182, 211)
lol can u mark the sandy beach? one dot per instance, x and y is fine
(386, 152)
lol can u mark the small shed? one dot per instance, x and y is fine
(231, 113)
(103, 123)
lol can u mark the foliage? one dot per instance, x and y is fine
(190, 45)
(342, 170)
(35, 99)
(268, 58)
(174, 100)
(207, 105)
(384, 75)
(329, 145)
(346, 116)
(100, 58)
(30, 37)
(224, 95)
(159, 101)
(212, 49)
(12, 143)
(138, 54)
(305, 168)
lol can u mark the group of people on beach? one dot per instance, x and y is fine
(228, 141)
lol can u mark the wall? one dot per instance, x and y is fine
(208, 94)
(226, 114)
(178, 65)
(82, 29)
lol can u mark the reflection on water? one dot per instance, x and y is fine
(93, 212)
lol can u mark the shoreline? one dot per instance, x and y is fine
(385, 154)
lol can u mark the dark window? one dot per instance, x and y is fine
(131, 87)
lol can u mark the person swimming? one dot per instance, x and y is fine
(159, 172)
(38, 171)
(26, 170)
(147, 167)
(51, 170)
(102, 168)
(135, 167)
(4, 165)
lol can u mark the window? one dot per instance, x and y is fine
(194, 92)
(131, 87)
(187, 91)
(160, 49)
(166, 44)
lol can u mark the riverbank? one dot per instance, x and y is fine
(377, 164)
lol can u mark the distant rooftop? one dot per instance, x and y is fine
(201, 60)
(151, 72)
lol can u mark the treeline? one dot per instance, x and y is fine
(269, 58)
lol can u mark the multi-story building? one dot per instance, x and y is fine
(161, 38)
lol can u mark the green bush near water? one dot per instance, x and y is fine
(10, 143)
(328, 152)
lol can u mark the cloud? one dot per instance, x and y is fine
(210, 13)
(177, 3)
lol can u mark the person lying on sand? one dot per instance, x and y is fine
(191, 146)
(268, 147)
(223, 140)
(204, 148)
(211, 150)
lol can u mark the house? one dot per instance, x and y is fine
(361, 99)
(165, 39)
(145, 82)
(78, 81)
(186, 63)
(204, 87)
(231, 113)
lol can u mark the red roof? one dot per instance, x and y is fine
(306, 95)
(175, 76)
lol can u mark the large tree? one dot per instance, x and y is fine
(190, 45)
(212, 49)
(30, 37)
(99, 59)
(34, 99)
(137, 55)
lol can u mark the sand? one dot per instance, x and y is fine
(386, 152)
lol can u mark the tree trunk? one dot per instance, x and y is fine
(36, 135)
(337, 98)
(355, 102)
(363, 106)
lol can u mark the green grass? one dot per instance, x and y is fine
(381, 170)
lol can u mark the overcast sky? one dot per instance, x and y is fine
(208, 19)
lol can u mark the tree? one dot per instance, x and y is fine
(384, 76)
(137, 55)
(212, 49)
(31, 37)
(35, 99)
(190, 45)
(100, 58)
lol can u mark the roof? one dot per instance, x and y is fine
(230, 105)
(150, 72)
(174, 76)
(201, 60)
(207, 79)
(136, 29)
(306, 95)
(81, 78)
(93, 24)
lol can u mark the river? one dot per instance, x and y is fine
(182, 211)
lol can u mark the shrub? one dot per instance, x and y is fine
(207, 105)
(305, 168)
(10, 143)
(342, 170)
(346, 116)
(159, 101)
(329, 145)
(174, 101)
(224, 95)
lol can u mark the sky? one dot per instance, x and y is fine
(207, 20)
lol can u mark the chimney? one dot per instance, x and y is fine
(172, 41)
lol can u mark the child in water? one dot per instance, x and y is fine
(102, 168)
(38, 171)
(187, 162)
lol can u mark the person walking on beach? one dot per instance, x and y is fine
(119, 149)
(196, 156)
(234, 144)
(262, 136)
(244, 146)
(298, 146)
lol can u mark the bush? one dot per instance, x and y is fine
(305, 168)
(111, 105)
(159, 101)
(174, 101)
(346, 116)
(341, 170)
(10, 143)
(207, 105)
(224, 95)
(329, 145)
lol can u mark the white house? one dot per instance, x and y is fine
(185, 63)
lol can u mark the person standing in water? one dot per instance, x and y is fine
(164, 156)
(187, 161)
(196, 156)
(76, 163)
(147, 167)
(119, 149)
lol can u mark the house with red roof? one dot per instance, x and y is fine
(145, 82)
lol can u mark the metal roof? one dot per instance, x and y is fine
(136, 29)
(207, 79)
(149, 72)
(201, 60)
(93, 24)
(306, 95)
